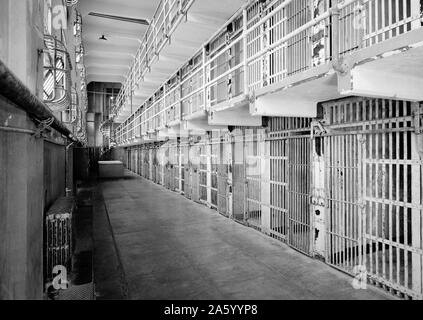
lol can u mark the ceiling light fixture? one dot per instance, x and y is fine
(119, 18)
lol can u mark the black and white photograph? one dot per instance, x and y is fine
(211, 156)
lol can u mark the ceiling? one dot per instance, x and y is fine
(108, 61)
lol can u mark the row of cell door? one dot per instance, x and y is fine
(349, 191)
(143, 161)
(208, 172)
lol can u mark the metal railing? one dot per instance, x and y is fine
(168, 15)
(265, 43)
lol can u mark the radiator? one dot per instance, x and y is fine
(58, 236)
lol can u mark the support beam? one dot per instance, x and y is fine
(297, 95)
(200, 125)
(234, 117)
(395, 75)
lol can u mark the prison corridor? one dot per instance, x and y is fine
(169, 247)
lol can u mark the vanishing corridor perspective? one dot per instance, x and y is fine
(193, 149)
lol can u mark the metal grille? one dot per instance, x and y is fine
(278, 183)
(374, 187)
(289, 178)
(162, 176)
(203, 171)
(373, 21)
(343, 216)
(254, 163)
(222, 179)
(185, 186)
(299, 194)
(298, 13)
(238, 175)
(173, 165)
(214, 172)
(146, 166)
(58, 228)
(387, 19)
(194, 165)
(178, 167)
(254, 46)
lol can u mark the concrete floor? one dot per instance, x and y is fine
(172, 248)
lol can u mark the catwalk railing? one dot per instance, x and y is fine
(264, 44)
(168, 15)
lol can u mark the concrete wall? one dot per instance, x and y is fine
(21, 208)
(33, 170)
(32, 177)
(21, 36)
(54, 172)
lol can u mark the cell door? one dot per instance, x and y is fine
(289, 179)
(238, 175)
(278, 186)
(223, 158)
(194, 166)
(343, 155)
(146, 170)
(129, 159)
(185, 176)
(204, 172)
(161, 165)
(254, 164)
(214, 168)
(374, 187)
(152, 163)
(299, 181)
(178, 169)
(136, 160)
(157, 164)
(172, 165)
(392, 205)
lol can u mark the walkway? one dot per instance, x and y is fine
(173, 248)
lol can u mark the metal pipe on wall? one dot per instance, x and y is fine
(14, 90)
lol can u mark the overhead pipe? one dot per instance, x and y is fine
(14, 90)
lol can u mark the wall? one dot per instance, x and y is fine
(33, 171)
(32, 177)
(22, 158)
(21, 208)
(22, 20)
(54, 169)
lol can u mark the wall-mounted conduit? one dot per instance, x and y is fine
(14, 90)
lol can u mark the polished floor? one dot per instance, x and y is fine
(164, 246)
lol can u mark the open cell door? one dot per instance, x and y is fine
(299, 177)
(344, 209)
(194, 171)
(223, 151)
(254, 163)
(238, 175)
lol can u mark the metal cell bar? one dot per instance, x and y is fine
(388, 204)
